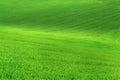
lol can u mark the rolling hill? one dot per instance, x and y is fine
(59, 40)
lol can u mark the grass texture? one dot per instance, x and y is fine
(59, 40)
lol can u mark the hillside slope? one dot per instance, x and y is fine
(32, 55)
(59, 40)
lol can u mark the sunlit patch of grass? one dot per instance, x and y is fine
(29, 55)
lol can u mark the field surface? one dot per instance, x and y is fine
(60, 40)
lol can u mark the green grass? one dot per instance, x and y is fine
(59, 40)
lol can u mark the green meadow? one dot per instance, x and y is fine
(60, 40)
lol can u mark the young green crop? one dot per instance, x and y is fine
(59, 40)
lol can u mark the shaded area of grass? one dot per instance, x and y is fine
(101, 16)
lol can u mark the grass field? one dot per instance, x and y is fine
(59, 40)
